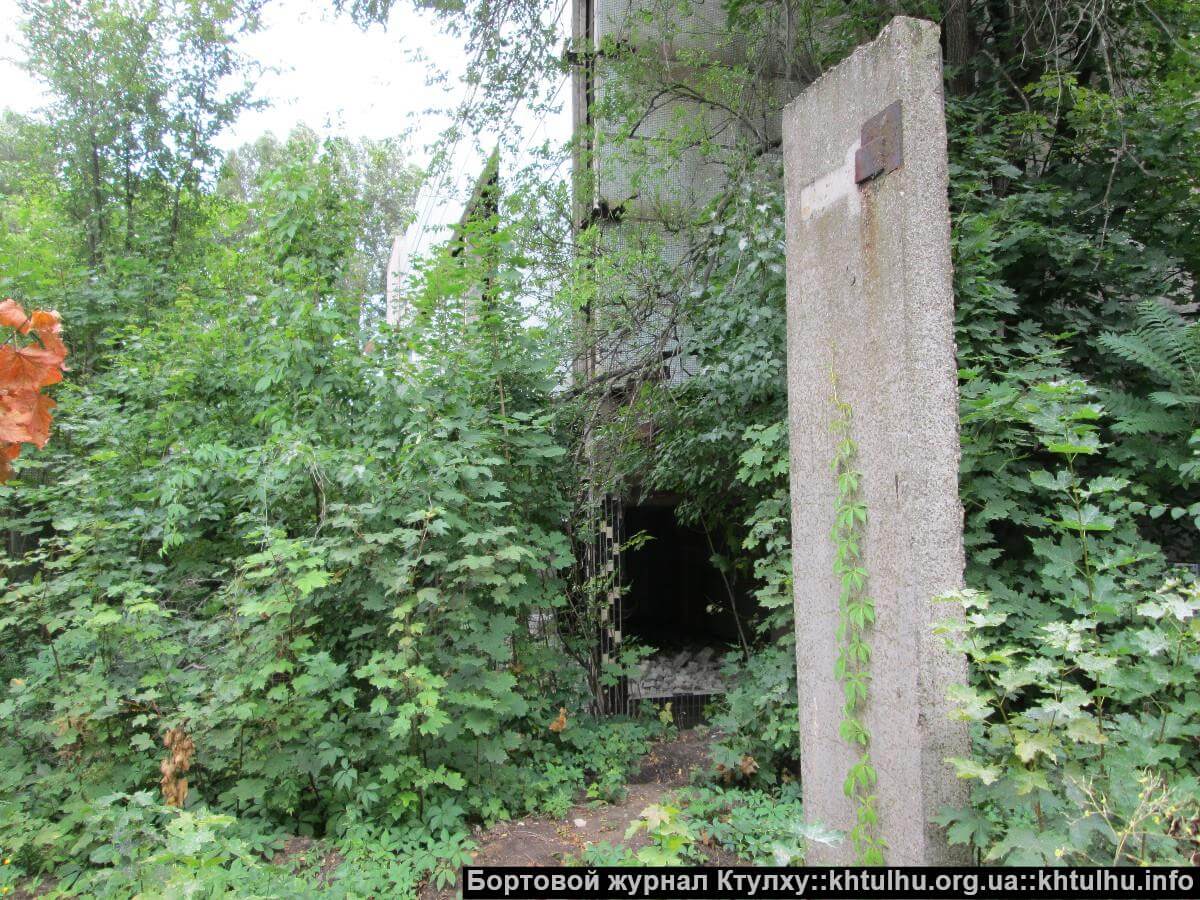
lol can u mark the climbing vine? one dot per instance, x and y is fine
(856, 616)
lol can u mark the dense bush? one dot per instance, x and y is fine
(326, 559)
(327, 563)
(1073, 164)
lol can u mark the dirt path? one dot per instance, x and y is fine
(544, 841)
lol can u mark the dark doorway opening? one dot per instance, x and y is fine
(677, 602)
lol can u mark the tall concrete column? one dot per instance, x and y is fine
(870, 299)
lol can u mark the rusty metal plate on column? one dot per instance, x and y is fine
(881, 145)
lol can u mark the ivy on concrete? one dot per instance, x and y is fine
(856, 616)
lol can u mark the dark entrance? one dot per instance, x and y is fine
(677, 602)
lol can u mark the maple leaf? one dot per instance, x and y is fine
(46, 326)
(14, 417)
(13, 316)
(28, 368)
(45, 321)
(24, 371)
(52, 352)
(656, 816)
(8, 452)
(25, 417)
(39, 421)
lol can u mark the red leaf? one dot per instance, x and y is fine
(52, 353)
(45, 321)
(40, 421)
(13, 316)
(8, 452)
(25, 417)
(16, 415)
(28, 367)
(24, 371)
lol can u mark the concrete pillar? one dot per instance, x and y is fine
(870, 299)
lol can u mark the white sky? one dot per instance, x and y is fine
(335, 77)
(329, 75)
(322, 70)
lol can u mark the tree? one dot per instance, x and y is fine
(375, 185)
(139, 90)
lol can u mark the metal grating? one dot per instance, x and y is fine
(607, 564)
(687, 710)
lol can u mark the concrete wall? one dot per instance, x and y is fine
(870, 299)
(650, 187)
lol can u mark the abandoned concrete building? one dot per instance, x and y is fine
(665, 97)
(651, 148)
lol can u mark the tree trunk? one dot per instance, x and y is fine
(128, 203)
(960, 47)
(174, 232)
(96, 225)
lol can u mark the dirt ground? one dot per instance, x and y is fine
(544, 841)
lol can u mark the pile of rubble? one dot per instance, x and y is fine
(692, 670)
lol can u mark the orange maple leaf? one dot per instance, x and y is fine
(24, 371)
(12, 315)
(8, 452)
(28, 367)
(45, 321)
(25, 417)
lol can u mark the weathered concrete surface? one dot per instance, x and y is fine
(870, 298)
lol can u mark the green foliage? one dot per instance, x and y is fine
(1085, 740)
(358, 195)
(346, 569)
(1073, 163)
(720, 444)
(137, 95)
(856, 616)
(604, 853)
(140, 846)
(759, 827)
(758, 718)
(672, 841)
(189, 573)
(322, 212)
(1082, 698)
(1165, 347)
(332, 565)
